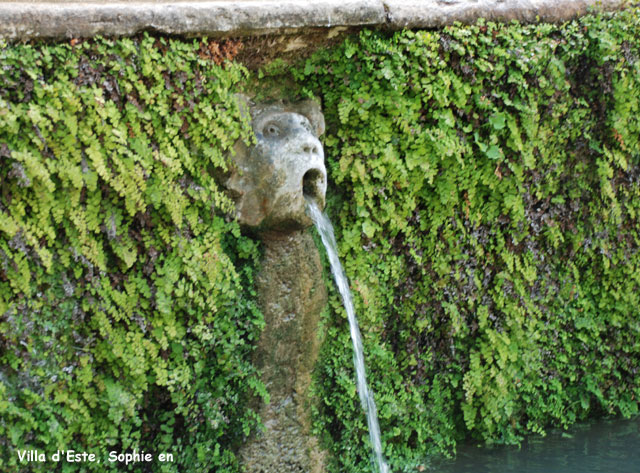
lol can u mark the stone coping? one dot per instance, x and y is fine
(58, 19)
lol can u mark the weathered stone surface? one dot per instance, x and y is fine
(68, 19)
(271, 180)
(270, 183)
(224, 18)
(435, 13)
(291, 294)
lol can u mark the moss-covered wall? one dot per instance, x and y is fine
(484, 185)
(125, 285)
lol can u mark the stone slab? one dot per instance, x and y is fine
(61, 19)
(438, 13)
(64, 19)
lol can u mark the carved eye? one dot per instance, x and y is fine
(271, 130)
(306, 124)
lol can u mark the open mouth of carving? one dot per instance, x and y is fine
(312, 185)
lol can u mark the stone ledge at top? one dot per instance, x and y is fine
(75, 19)
(438, 13)
(57, 19)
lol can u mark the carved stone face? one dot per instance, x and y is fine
(272, 179)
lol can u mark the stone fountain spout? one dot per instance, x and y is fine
(270, 183)
(272, 179)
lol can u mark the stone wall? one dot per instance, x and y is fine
(74, 19)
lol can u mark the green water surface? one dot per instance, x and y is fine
(611, 446)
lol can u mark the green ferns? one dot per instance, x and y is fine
(486, 193)
(485, 186)
(125, 292)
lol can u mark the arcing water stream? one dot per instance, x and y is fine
(323, 224)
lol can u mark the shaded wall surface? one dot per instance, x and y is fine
(125, 284)
(483, 182)
(486, 195)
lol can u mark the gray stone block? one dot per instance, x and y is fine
(437, 13)
(64, 19)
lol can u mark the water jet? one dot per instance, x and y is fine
(324, 227)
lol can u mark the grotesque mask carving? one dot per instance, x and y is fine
(272, 180)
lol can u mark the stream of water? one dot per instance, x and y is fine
(325, 229)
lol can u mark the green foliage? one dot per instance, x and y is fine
(127, 314)
(486, 193)
(485, 185)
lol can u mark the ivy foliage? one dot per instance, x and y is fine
(486, 194)
(126, 311)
